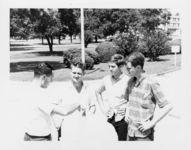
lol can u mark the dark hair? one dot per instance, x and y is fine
(118, 59)
(78, 63)
(136, 58)
(43, 68)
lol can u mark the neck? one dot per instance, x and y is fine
(78, 85)
(117, 75)
(139, 75)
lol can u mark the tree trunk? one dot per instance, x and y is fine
(86, 45)
(50, 44)
(59, 39)
(51, 37)
(42, 40)
(96, 39)
(71, 38)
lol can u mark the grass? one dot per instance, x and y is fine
(25, 54)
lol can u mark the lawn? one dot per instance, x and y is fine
(24, 55)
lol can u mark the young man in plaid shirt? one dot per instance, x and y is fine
(143, 94)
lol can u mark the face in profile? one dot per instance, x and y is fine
(131, 70)
(114, 69)
(76, 74)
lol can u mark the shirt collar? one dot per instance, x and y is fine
(119, 78)
(138, 82)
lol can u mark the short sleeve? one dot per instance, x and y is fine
(158, 94)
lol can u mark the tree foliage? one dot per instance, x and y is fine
(70, 21)
(155, 44)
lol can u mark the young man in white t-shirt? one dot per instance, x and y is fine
(114, 102)
(88, 123)
(41, 107)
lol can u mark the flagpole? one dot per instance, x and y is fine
(82, 35)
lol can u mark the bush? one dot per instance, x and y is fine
(127, 43)
(105, 50)
(94, 55)
(74, 54)
(155, 44)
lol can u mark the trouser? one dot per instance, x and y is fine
(59, 133)
(28, 137)
(120, 128)
(150, 137)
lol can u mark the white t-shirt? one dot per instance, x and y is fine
(77, 127)
(73, 124)
(39, 105)
(114, 94)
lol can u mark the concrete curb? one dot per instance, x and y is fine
(162, 73)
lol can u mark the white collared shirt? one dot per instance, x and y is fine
(75, 123)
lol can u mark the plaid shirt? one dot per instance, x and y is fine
(143, 96)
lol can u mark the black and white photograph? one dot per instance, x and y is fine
(96, 78)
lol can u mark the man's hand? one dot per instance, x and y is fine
(121, 112)
(144, 126)
(92, 109)
(109, 113)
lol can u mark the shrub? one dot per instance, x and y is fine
(94, 55)
(74, 54)
(105, 50)
(88, 61)
(155, 44)
(127, 42)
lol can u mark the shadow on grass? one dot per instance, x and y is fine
(21, 48)
(58, 44)
(29, 66)
(20, 45)
(159, 60)
(47, 53)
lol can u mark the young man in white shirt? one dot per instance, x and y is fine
(114, 86)
(41, 106)
(87, 123)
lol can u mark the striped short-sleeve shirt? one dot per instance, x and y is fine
(143, 96)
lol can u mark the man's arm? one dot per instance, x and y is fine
(65, 110)
(164, 108)
(99, 97)
(159, 114)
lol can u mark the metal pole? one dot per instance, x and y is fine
(82, 36)
(175, 59)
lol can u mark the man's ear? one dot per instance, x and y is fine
(138, 67)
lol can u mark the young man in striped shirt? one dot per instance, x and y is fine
(143, 95)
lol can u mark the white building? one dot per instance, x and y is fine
(174, 26)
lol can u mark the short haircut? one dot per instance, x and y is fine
(43, 68)
(118, 59)
(78, 63)
(136, 58)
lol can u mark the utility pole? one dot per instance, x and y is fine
(82, 36)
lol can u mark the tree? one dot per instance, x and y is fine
(155, 44)
(127, 42)
(88, 37)
(69, 19)
(20, 24)
(152, 18)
